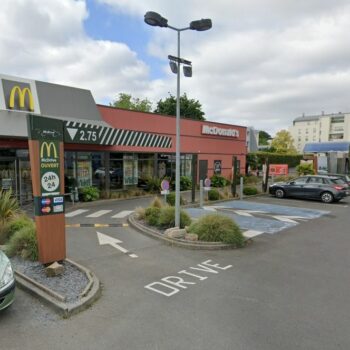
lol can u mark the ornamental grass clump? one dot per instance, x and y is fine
(167, 218)
(24, 243)
(9, 206)
(218, 228)
(13, 225)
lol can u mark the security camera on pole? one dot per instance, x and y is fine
(156, 20)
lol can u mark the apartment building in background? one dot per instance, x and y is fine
(320, 128)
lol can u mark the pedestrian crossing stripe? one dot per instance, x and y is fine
(121, 137)
(97, 225)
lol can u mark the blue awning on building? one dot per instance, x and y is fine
(322, 147)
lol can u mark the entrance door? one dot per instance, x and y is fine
(25, 181)
(203, 169)
(116, 174)
(8, 175)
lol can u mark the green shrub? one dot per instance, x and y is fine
(9, 206)
(152, 215)
(13, 225)
(249, 191)
(185, 183)
(218, 228)
(167, 218)
(276, 158)
(219, 181)
(153, 184)
(89, 193)
(250, 180)
(213, 195)
(305, 169)
(24, 243)
(170, 199)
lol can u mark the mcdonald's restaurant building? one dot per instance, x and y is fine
(106, 147)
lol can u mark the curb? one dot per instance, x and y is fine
(57, 302)
(181, 243)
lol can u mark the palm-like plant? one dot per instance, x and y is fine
(8, 205)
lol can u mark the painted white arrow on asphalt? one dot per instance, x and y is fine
(114, 242)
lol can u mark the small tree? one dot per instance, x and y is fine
(189, 108)
(264, 138)
(283, 143)
(305, 169)
(126, 101)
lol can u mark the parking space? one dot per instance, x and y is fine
(260, 217)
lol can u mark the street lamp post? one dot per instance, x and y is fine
(155, 19)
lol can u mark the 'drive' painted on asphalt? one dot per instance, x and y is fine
(171, 285)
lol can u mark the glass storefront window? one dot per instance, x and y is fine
(98, 170)
(84, 170)
(130, 169)
(145, 168)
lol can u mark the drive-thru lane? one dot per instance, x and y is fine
(285, 291)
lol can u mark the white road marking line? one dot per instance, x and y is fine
(252, 233)
(122, 214)
(75, 213)
(285, 218)
(242, 213)
(209, 208)
(248, 212)
(133, 255)
(99, 213)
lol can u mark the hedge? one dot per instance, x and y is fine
(274, 158)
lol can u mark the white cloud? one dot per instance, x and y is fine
(263, 63)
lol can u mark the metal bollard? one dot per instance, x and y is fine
(201, 190)
(241, 188)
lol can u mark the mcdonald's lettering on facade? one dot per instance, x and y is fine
(22, 95)
(48, 151)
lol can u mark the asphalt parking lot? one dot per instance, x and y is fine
(289, 289)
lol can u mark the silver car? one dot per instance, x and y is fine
(7, 282)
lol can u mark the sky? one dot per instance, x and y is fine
(263, 63)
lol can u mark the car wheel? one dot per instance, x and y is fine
(327, 197)
(279, 193)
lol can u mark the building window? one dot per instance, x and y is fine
(339, 119)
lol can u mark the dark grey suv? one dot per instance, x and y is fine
(325, 188)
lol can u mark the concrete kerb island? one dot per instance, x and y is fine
(56, 301)
(198, 245)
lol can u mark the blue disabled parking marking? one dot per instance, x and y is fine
(278, 218)
(275, 209)
(246, 223)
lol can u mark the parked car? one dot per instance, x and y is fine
(322, 187)
(7, 282)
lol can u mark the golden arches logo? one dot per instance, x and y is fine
(22, 94)
(48, 147)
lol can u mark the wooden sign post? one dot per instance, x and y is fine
(46, 153)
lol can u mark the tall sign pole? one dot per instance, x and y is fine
(46, 153)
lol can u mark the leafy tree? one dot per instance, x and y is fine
(189, 108)
(264, 137)
(283, 142)
(126, 101)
